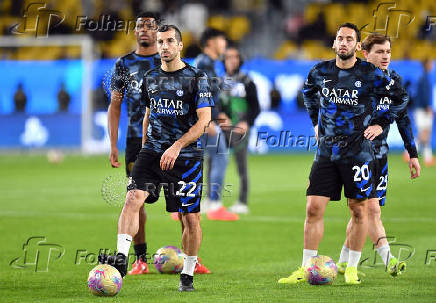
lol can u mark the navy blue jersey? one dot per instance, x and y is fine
(403, 124)
(127, 79)
(205, 63)
(342, 102)
(173, 98)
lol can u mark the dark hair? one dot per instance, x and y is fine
(210, 33)
(374, 38)
(167, 27)
(352, 26)
(148, 14)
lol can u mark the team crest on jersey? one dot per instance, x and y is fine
(388, 87)
(357, 84)
(179, 92)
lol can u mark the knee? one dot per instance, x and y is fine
(313, 211)
(134, 199)
(374, 211)
(358, 211)
(191, 221)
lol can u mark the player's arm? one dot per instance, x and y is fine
(113, 116)
(145, 100)
(405, 129)
(170, 155)
(311, 98)
(204, 103)
(118, 86)
(145, 125)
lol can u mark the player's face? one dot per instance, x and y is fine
(220, 45)
(145, 31)
(346, 44)
(167, 45)
(379, 55)
(231, 60)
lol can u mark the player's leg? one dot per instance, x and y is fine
(191, 239)
(185, 181)
(200, 268)
(358, 229)
(324, 185)
(376, 230)
(240, 154)
(359, 180)
(140, 266)
(142, 185)
(128, 224)
(313, 233)
(343, 256)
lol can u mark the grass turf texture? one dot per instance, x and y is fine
(63, 203)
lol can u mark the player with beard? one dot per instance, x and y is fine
(340, 96)
(126, 84)
(177, 101)
(377, 50)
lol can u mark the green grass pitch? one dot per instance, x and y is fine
(63, 203)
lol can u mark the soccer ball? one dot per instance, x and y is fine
(322, 270)
(104, 280)
(168, 260)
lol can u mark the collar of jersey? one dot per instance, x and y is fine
(176, 71)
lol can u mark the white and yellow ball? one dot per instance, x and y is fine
(104, 280)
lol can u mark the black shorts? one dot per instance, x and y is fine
(381, 179)
(327, 178)
(182, 185)
(133, 147)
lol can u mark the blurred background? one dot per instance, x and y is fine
(56, 57)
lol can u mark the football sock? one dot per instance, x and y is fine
(343, 257)
(385, 253)
(189, 265)
(307, 254)
(141, 251)
(354, 258)
(123, 244)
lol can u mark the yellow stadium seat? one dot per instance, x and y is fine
(311, 12)
(218, 21)
(286, 49)
(238, 27)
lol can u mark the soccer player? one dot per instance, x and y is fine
(178, 105)
(239, 108)
(377, 50)
(213, 44)
(340, 96)
(126, 84)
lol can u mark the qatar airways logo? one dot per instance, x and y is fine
(167, 106)
(341, 95)
(384, 103)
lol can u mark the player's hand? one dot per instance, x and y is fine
(414, 164)
(315, 128)
(169, 156)
(372, 132)
(113, 157)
